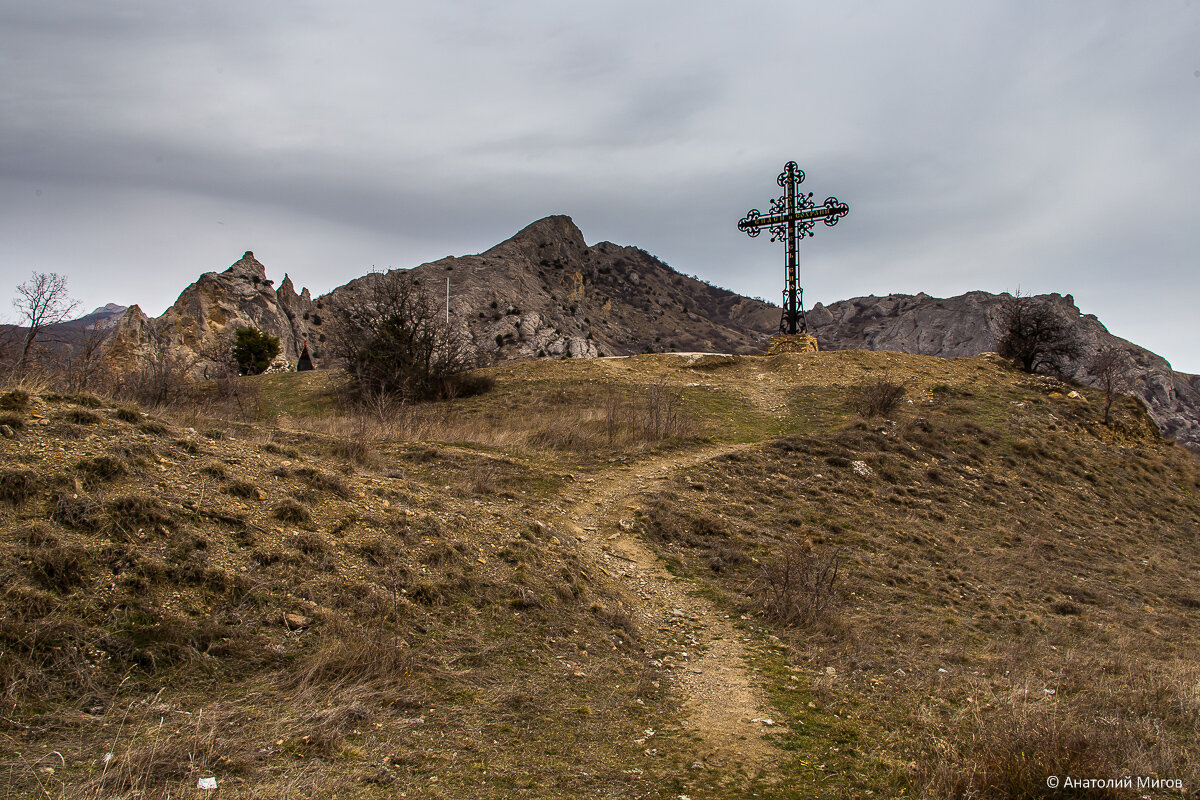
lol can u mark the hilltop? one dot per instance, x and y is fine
(546, 293)
(970, 324)
(572, 586)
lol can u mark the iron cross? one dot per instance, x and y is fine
(792, 218)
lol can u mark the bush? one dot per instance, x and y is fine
(394, 341)
(102, 468)
(292, 511)
(135, 510)
(16, 400)
(59, 568)
(82, 416)
(877, 398)
(76, 511)
(253, 350)
(18, 485)
(799, 587)
(1036, 337)
(243, 489)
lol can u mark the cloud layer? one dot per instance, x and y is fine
(990, 145)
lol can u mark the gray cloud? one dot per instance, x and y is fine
(986, 145)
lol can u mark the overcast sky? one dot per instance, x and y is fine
(982, 145)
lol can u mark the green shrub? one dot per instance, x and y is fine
(253, 350)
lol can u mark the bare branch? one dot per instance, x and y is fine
(42, 300)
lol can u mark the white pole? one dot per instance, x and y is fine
(447, 301)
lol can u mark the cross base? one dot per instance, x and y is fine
(792, 343)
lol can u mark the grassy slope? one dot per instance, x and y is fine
(1003, 535)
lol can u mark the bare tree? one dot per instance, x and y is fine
(1036, 337)
(161, 376)
(42, 300)
(82, 367)
(1111, 367)
(393, 340)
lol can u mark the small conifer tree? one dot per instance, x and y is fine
(253, 350)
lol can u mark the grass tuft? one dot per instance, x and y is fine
(18, 485)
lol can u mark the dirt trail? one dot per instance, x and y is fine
(698, 643)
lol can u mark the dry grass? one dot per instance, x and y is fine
(422, 621)
(1015, 591)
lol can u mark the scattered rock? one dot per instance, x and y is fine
(296, 621)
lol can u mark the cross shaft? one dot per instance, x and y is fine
(791, 218)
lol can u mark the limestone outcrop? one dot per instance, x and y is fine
(546, 293)
(202, 322)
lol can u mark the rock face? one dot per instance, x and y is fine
(546, 293)
(969, 324)
(203, 320)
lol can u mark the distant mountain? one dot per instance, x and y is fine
(969, 324)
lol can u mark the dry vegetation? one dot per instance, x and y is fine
(977, 587)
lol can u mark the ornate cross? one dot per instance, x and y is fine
(792, 218)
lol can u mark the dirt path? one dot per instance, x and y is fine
(697, 643)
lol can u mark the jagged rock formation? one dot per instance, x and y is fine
(969, 324)
(202, 321)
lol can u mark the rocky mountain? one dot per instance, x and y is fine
(969, 324)
(542, 293)
(203, 319)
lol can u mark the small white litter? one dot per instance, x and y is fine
(206, 783)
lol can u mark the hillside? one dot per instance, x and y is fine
(970, 324)
(571, 586)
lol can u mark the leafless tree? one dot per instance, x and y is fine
(42, 300)
(393, 340)
(1036, 337)
(161, 376)
(81, 366)
(1111, 367)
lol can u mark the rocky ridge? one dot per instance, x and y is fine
(969, 324)
(542, 293)
(202, 320)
